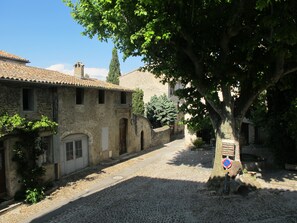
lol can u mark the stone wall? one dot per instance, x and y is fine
(11, 100)
(147, 82)
(160, 136)
(100, 122)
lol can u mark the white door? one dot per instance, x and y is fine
(75, 154)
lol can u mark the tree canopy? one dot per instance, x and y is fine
(114, 68)
(226, 51)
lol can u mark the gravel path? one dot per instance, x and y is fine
(164, 185)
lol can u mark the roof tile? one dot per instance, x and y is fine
(12, 57)
(21, 73)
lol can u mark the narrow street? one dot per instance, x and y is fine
(163, 185)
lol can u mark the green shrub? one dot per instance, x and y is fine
(198, 142)
(161, 111)
(34, 195)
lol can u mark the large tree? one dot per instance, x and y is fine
(114, 68)
(236, 47)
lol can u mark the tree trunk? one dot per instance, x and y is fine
(227, 132)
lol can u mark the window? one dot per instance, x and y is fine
(78, 149)
(28, 99)
(123, 98)
(171, 90)
(79, 96)
(101, 96)
(46, 145)
(69, 151)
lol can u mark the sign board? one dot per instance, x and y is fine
(227, 163)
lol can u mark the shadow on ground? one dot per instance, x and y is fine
(199, 157)
(89, 173)
(143, 199)
(279, 175)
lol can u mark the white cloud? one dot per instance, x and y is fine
(93, 72)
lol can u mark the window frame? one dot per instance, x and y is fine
(123, 97)
(29, 93)
(101, 96)
(79, 96)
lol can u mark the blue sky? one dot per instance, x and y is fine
(44, 32)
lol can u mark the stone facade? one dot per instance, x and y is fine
(95, 121)
(11, 102)
(151, 86)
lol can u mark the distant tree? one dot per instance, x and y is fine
(137, 102)
(161, 111)
(114, 68)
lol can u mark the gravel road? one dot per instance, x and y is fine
(162, 185)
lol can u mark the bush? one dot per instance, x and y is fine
(161, 111)
(198, 142)
(34, 195)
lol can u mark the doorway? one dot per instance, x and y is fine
(123, 135)
(142, 140)
(74, 153)
(2, 169)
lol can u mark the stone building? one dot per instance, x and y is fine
(151, 86)
(94, 118)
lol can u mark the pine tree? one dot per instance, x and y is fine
(137, 102)
(114, 68)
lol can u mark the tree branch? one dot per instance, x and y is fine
(246, 98)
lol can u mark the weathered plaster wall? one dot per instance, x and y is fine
(147, 82)
(160, 136)
(93, 118)
(12, 178)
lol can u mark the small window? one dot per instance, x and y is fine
(79, 96)
(78, 149)
(123, 98)
(28, 99)
(69, 151)
(101, 96)
(171, 89)
(46, 143)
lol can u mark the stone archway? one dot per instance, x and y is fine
(123, 135)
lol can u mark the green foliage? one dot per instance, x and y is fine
(137, 102)
(27, 150)
(9, 124)
(198, 142)
(276, 112)
(238, 48)
(114, 68)
(234, 46)
(161, 111)
(34, 195)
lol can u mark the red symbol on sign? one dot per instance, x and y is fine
(227, 163)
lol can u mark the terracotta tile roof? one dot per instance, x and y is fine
(12, 57)
(21, 73)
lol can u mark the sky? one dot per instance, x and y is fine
(44, 32)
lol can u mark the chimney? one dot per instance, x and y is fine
(79, 70)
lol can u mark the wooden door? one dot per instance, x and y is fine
(123, 135)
